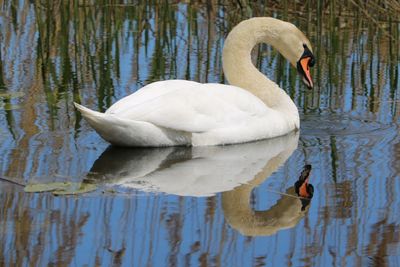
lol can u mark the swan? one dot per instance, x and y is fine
(180, 112)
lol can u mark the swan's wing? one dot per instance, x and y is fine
(190, 106)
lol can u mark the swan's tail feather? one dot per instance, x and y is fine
(100, 122)
(88, 114)
(127, 132)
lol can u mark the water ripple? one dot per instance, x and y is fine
(341, 125)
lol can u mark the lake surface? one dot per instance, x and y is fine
(213, 206)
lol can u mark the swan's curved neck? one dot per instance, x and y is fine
(238, 67)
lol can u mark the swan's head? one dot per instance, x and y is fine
(296, 47)
(282, 35)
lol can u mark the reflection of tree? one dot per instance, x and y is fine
(342, 195)
(396, 161)
(383, 237)
(71, 233)
(6, 100)
(34, 236)
(174, 226)
(2, 81)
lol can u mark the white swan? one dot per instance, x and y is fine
(178, 112)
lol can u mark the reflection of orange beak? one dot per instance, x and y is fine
(304, 62)
(303, 189)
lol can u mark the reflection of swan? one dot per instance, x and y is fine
(286, 213)
(193, 171)
(178, 112)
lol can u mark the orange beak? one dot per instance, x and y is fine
(304, 62)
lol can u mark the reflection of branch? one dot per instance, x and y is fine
(11, 181)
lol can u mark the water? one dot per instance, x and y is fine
(218, 206)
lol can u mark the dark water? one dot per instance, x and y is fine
(215, 206)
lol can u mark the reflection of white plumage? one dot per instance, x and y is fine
(178, 112)
(234, 170)
(192, 171)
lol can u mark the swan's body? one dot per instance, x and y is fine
(178, 112)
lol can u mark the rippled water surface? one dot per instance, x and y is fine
(69, 199)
